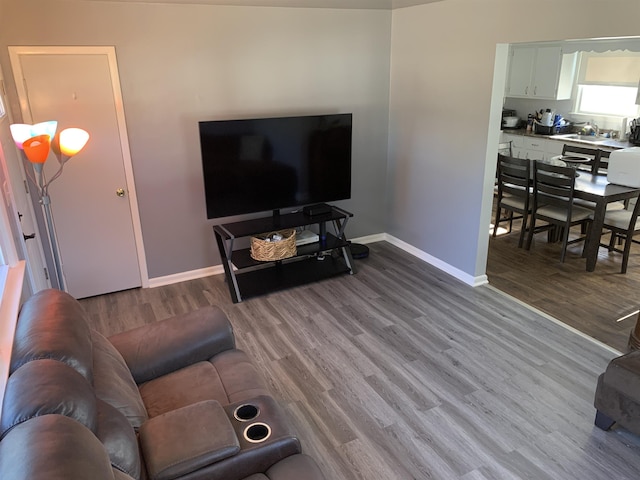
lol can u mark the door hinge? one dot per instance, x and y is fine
(4, 92)
(26, 187)
(46, 273)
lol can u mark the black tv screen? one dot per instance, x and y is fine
(262, 164)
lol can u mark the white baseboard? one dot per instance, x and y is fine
(379, 237)
(185, 276)
(436, 262)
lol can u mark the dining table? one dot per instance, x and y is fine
(595, 188)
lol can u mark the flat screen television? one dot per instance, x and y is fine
(261, 164)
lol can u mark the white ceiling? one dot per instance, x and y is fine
(350, 4)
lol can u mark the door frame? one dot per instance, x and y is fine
(16, 52)
(37, 270)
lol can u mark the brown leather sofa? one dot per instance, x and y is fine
(170, 400)
(617, 398)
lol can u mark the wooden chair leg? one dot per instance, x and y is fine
(603, 422)
(530, 235)
(496, 223)
(625, 255)
(523, 229)
(565, 241)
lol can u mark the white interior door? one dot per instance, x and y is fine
(95, 214)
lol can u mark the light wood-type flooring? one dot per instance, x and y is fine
(591, 302)
(402, 372)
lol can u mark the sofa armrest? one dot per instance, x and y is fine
(162, 347)
(182, 441)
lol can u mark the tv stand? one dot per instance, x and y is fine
(246, 277)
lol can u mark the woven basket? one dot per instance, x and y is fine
(264, 251)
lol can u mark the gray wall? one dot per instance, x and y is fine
(183, 63)
(179, 64)
(442, 68)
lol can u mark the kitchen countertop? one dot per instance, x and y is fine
(602, 142)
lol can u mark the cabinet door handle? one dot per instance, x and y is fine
(535, 90)
(526, 90)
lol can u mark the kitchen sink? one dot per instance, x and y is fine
(574, 137)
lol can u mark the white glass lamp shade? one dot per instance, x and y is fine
(20, 132)
(45, 128)
(72, 140)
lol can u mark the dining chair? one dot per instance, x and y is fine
(623, 225)
(514, 192)
(591, 153)
(553, 188)
(602, 164)
(506, 148)
(597, 165)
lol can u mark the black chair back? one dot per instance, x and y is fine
(591, 153)
(554, 185)
(514, 176)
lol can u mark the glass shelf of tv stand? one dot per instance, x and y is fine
(241, 258)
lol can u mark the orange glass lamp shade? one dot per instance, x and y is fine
(71, 141)
(37, 148)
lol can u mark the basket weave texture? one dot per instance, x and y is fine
(264, 251)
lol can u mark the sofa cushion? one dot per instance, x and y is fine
(113, 381)
(53, 447)
(184, 440)
(228, 377)
(239, 376)
(193, 384)
(119, 439)
(294, 468)
(52, 325)
(44, 387)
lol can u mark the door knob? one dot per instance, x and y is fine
(120, 192)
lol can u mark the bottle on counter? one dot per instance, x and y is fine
(529, 123)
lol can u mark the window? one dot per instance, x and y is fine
(608, 84)
(607, 100)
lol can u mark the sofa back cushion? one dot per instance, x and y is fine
(52, 325)
(43, 387)
(114, 383)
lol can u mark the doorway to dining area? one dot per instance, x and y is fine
(602, 304)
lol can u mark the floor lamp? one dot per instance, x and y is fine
(36, 141)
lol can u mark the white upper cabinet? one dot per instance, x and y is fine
(540, 72)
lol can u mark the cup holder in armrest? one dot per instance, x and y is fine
(246, 412)
(257, 432)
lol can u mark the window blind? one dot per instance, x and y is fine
(605, 69)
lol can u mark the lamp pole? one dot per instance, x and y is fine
(45, 201)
